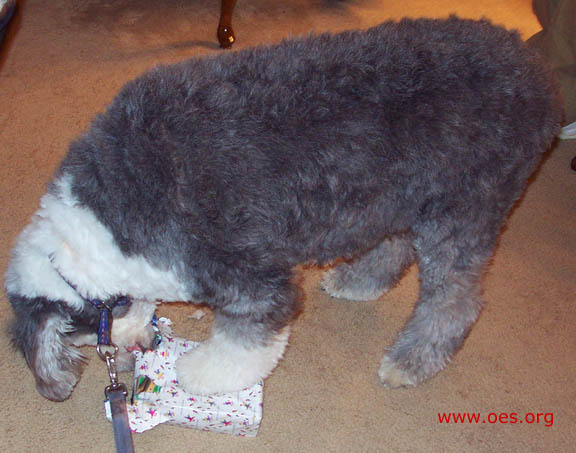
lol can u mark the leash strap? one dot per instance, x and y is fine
(116, 403)
(116, 392)
(105, 323)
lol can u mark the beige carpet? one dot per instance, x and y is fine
(64, 60)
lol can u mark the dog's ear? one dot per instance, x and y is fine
(40, 331)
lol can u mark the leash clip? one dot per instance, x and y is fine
(109, 357)
(115, 403)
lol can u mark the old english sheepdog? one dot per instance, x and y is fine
(209, 180)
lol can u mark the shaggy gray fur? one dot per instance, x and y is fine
(410, 140)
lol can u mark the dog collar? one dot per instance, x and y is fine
(104, 308)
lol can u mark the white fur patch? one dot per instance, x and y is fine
(221, 365)
(30, 272)
(84, 339)
(133, 329)
(68, 237)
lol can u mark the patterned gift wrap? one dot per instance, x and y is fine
(157, 398)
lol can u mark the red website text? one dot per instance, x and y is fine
(501, 418)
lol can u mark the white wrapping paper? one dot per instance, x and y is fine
(157, 398)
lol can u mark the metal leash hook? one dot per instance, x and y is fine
(109, 358)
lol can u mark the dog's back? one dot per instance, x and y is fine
(425, 106)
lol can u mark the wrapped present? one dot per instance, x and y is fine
(157, 398)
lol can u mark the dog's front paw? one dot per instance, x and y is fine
(392, 376)
(143, 342)
(207, 371)
(221, 365)
(133, 332)
(125, 360)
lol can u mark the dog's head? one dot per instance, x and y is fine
(43, 331)
(48, 333)
(50, 317)
(61, 264)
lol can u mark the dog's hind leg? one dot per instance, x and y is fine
(373, 273)
(452, 256)
(248, 340)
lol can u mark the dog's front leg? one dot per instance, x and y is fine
(249, 335)
(239, 353)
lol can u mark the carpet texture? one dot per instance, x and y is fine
(62, 61)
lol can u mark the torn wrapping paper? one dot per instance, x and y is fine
(157, 398)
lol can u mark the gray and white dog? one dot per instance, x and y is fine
(209, 180)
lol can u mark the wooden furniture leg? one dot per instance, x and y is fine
(225, 33)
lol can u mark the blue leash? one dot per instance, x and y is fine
(116, 392)
(105, 309)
